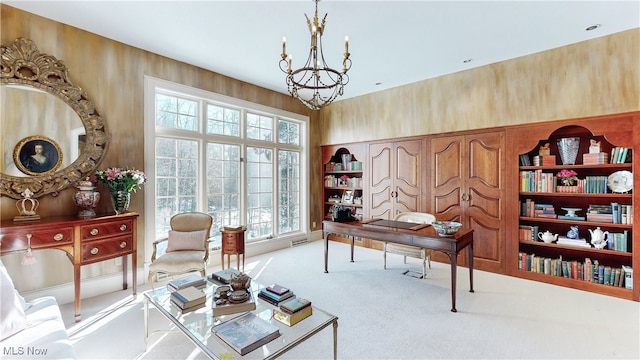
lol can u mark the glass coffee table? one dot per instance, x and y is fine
(196, 325)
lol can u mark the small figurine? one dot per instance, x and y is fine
(594, 147)
(545, 150)
(27, 207)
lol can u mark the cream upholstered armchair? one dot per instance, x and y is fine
(187, 247)
(407, 250)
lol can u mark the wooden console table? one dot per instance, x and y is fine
(425, 237)
(85, 241)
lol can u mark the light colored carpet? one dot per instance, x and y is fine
(384, 314)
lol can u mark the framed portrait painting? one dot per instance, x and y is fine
(37, 155)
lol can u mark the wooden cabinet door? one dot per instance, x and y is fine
(395, 178)
(468, 186)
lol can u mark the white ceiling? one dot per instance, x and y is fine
(391, 42)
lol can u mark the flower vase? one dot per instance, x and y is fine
(86, 199)
(120, 200)
(568, 149)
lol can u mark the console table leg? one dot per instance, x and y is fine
(124, 272)
(76, 289)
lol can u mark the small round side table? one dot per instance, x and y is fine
(232, 244)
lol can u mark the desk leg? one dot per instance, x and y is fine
(471, 267)
(76, 290)
(454, 269)
(335, 340)
(353, 238)
(326, 253)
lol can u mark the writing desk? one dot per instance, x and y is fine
(425, 237)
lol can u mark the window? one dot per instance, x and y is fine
(237, 161)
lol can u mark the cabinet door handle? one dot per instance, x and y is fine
(58, 237)
(123, 227)
(94, 251)
(465, 197)
(94, 232)
(123, 244)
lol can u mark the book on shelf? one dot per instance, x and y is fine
(574, 218)
(194, 280)
(272, 298)
(227, 306)
(224, 276)
(246, 333)
(605, 218)
(188, 297)
(294, 305)
(292, 319)
(619, 155)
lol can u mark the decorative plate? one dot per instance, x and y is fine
(620, 181)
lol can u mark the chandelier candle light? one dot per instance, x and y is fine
(315, 84)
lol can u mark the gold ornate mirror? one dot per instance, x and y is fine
(49, 142)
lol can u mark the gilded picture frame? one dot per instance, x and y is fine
(37, 155)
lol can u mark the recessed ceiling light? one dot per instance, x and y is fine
(593, 27)
(466, 61)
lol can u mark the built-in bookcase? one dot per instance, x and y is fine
(599, 200)
(343, 182)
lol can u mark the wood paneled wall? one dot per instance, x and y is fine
(599, 76)
(594, 77)
(112, 74)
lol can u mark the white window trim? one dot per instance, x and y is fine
(150, 85)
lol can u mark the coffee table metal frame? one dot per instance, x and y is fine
(196, 325)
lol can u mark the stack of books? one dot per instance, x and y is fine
(581, 242)
(546, 160)
(188, 299)
(544, 210)
(595, 158)
(274, 294)
(293, 311)
(184, 282)
(224, 276)
(600, 213)
(246, 333)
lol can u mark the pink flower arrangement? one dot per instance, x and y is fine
(567, 176)
(118, 179)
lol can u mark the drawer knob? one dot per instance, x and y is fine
(123, 227)
(123, 244)
(94, 251)
(94, 232)
(58, 237)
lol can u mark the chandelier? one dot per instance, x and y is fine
(315, 84)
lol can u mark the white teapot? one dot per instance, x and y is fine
(599, 238)
(547, 236)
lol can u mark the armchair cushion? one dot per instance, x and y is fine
(186, 240)
(178, 262)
